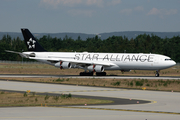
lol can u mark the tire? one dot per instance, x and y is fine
(86, 73)
(157, 75)
(100, 73)
(81, 73)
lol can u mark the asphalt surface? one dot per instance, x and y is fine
(52, 113)
(160, 105)
(103, 77)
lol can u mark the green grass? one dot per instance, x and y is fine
(18, 99)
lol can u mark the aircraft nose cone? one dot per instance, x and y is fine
(173, 63)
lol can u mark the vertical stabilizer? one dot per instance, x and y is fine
(30, 41)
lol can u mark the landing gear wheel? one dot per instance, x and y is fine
(157, 74)
(100, 73)
(86, 73)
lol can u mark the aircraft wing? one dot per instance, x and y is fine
(76, 61)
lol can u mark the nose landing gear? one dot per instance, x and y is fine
(157, 73)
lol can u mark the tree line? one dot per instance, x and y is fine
(116, 44)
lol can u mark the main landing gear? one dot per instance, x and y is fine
(91, 73)
(157, 73)
(100, 73)
(86, 73)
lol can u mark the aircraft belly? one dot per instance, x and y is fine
(135, 65)
(130, 66)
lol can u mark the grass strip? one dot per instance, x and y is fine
(8, 99)
(140, 84)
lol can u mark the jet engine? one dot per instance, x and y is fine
(63, 65)
(96, 68)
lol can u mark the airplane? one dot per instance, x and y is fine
(94, 62)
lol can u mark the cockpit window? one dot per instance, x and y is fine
(168, 59)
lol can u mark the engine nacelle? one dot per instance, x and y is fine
(63, 65)
(96, 68)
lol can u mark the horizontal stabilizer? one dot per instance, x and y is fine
(21, 54)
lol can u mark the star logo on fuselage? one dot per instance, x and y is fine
(31, 43)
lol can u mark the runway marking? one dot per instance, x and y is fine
(145, 111)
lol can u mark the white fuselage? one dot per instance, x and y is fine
(117, 61)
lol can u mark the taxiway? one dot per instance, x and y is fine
(162, 105)
(103, 77)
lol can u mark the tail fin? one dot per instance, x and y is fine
(30, 41)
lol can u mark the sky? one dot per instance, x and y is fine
(89, 16)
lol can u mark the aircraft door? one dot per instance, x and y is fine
(156, 60)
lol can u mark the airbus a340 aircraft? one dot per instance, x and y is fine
(94, 62)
